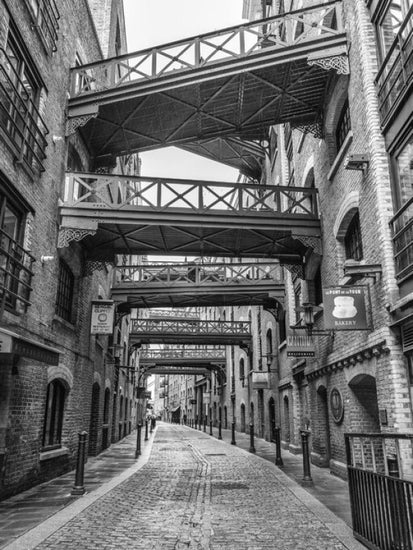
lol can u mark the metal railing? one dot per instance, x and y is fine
(381, 493)
(45, 17)
(211, 353)
(402, 228)
(15, 274)
(20, 119)
(211, 49)
(165, 326)
(114, 192)
(396, 72)
(220, 274)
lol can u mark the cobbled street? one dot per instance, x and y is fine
(196, 492)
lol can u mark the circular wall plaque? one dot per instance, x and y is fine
(336, 405)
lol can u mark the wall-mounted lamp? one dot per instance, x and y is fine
(309, 310)
(357, 162)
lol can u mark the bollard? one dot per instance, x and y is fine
(233, 442)
(220, 430)
(278, 459)
(307, 479)
(205, 423)
(252, 448)
(138, 440)
(146, 430)
(79, 487)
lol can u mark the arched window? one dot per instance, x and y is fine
(241, 370)
(352, 239)
(269, 346)
(53, 422)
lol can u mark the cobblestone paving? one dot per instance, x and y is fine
(197, 493)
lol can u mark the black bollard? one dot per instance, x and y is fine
(146, 430)
(278, 459)
(210, 427)
(252, 448)
(307, 479)
(138, 440)
(233, 442)
(79, 487)
(220, 430)
(205, 423)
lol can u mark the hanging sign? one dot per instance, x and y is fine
(260, 380)
(345, 308)
(300, 346)
(102, 317)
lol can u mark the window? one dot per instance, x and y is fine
(390, 23)
(20, 88)
(404, 169)
(15, 262)
(282, 329)
(343, 125)
(241, 369)
(318, 288)
(352, 240)
(55, 402)
(65, 289)
(45, 18)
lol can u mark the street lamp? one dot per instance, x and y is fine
(308, 310)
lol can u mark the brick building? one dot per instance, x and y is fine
(56, 379)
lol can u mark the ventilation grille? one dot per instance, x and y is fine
(407, 336)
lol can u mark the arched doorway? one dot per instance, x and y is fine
(271, 417)
(94, 420)
(243, 418)
(286, 419)
(321, 438)
(364, 409)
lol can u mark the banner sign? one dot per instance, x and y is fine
(102, 317)
(260, 380)
(300, 346)
(345, 308)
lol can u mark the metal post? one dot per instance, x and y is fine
(138, 440)
(205, 423)
(151, 428)
(233, 442)
(220, 430)
(278, 459)
(210, 426)
(79, 486)
(252, 448)
(146, 430)
(307, 479)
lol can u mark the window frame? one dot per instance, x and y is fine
(352, 241)
(65, 292)
(343, 126)
(54, 415)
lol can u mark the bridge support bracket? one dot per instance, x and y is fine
(69, 234)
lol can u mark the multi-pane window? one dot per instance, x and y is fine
(64, 298)
(404, 166)
(55, 402)
(45, 17)
(390, 23)
(352, 240)
(15, 262)
(20, 89)
(343, 125)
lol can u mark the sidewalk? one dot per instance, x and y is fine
(30, 508)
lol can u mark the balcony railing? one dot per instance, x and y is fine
(396, 73)
(211, 49)
(45, 16)
(198, 274)
(116, 192)
(20, 119)
(402, 226)
(15, 275)
(165, 326)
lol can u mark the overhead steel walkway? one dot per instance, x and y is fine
(204, 90)
(136, 215)
(181, 331)
(198, 284)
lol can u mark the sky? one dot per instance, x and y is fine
(155, 22)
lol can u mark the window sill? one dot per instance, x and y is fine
(55, 453)
(63, 322)
(340, 156)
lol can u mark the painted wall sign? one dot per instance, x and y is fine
(102, 317)
(336, 405)
(345, 308)
(300, 346)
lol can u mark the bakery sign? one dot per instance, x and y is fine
(345, 308)
(102, 317)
